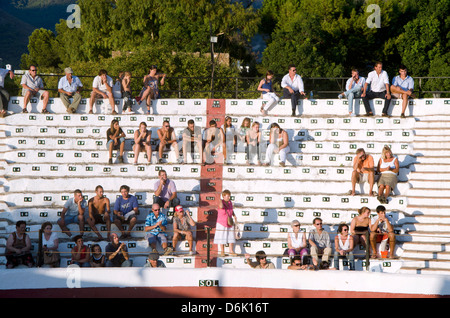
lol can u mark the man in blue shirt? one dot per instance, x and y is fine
(70, 86)
(155, 226)
(403, 87)
(126, 208)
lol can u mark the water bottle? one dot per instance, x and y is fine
(311, 95)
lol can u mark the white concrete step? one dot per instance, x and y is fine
(426, 210)
(429, 201)
(436, 175)
(110, 184)
(431, 167)
(430, 184)
(428, 192)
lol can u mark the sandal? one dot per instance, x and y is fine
(45, 111)
(25, 111)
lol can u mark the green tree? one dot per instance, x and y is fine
(42, 46)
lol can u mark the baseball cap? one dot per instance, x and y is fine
(179, 208)
(68, 70)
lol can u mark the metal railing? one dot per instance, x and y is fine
(234, 87)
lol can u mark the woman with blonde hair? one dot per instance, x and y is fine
(388, 166)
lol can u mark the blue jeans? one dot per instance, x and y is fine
(351, 94)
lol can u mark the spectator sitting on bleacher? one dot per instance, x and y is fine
(4, 94)
(278, 143)
(165, 194)
(155, 226)
(229, 141)
(241, 132)
(97, 258)
(292, 85)
(268, 94)
(99, 212)
(296, 264)
(73, 212)
(192, 137)
(117, 253)
(403, 87)
(102, 88)
(382, 231)
(32, 85)
(167, 140)
(115, 140)
(297, 244)
(142, 142)
(50, 244)
(150, 90)
(18, 246)
(360, 226)
(388, 166)
(182, 223)
(154, 261)
(261, 261)
(126, 209)
(81, 253)
(127, 93)
(253, 139)
(379, 88)
(363, 171)
(213, 138)
(70, 86)
(343, 246)
(319, 241)
(354, 87)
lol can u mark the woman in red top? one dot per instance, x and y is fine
(225, 231)
(80, 252)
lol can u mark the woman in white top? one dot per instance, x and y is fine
(50, 245)
(343, 246)
(278, 143)
(297, 244)
(388, 166)
(230, 138)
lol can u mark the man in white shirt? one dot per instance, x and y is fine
(32, 85)
(379, 88)
(292, 85)
(102, 88)
(70, 86)
(403, 87)
(4, 95)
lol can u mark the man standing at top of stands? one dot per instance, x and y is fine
(102, 88)
(292, 85)
(32, 85)
(363, 170)
(73, 212)
(4, 95)
(165, 191)
(70, 86)
(379, 88)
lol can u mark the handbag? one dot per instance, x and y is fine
(230, 221)
(50, 258)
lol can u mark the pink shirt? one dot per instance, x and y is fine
(224, 213)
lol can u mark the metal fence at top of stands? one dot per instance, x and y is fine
(239, 87)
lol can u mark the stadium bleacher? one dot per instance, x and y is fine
(45, 157)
